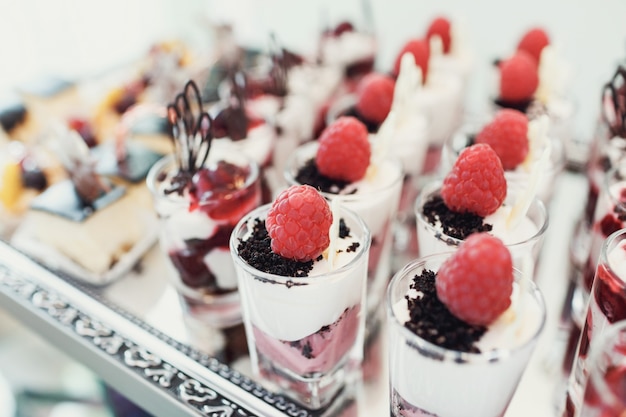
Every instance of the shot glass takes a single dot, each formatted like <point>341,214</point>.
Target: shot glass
<point>375,199</point>
<point>606,306</point>
<point>428,380</point>
<point>516,179</point>
<point>305,334</point>
<point>523,240</point>
<point>604,394</point>
<point>196,228</point>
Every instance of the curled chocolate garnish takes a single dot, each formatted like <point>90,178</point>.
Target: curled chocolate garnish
<point>614,103</point>
<point>192,132</point>
<point>232,120</point>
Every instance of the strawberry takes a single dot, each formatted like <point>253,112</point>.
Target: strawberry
<point>507,134</point>
<point>420,49</point>
<point>344,150</point>
<point>476,183</point>
<point>533,42</point>
<point>519,77</point>
<point>440,27</point>
<point>298,222</point>
<point>476,282</point>
<point>374,97</point>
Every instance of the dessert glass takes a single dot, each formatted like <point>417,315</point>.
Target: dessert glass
<point>604,394</point>
<point>375,199</point>
<point>516,179</point>
<point>426,379</point>
<point>195,236</point>
<point>305,334</point>
<point>524,240</point>
<point>606,306</point>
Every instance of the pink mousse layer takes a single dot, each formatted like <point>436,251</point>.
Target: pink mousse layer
<point>318,352</point>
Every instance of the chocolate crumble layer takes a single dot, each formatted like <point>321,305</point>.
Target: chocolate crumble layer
<point>257,252</point>
<point>431,320</point>
<point>310,175</point>
<point>455,224</point>
<point>372,127</point>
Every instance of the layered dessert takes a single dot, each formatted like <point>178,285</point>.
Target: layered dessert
<point>473,198</point>
<point>534,80</point>
<point>519,143</point>
<point>344,165</point>
<point>440,98</point>
<point>458,324</point>
<point>349,49</point>
<point>85,225</point>
<point>302,271</point>
<point>450,50</point>
<point>605,391</point>
<point>607,305</point>
<point>199,197</point>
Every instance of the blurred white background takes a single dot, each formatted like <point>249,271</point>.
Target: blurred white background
<point>73,38</point>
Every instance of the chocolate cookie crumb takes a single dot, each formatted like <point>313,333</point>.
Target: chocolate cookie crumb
<point>310,175</point>
<point>457,225</point>
<point>432,321</point>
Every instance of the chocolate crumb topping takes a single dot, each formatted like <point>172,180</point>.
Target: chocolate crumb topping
<point>257,252</point>
<point>455,224</point>
<point>372,127</point>
<point>310,175</point>
<point>431,320</point>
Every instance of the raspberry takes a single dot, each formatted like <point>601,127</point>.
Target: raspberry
<point>476,182</point>
<point>298,223</point>
<point>533,42</point>
<point>344,150</point>
<point>342,28</point>
<point>440,27</point>
<point>519,77</point>
<point>374,97</point>
<point>476,282</point>
<point>421,53</point>
<point>507,134</point>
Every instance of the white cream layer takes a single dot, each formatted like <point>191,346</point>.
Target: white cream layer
<point>348,48</point>
<point>427,383</point>
<point>298,311</point>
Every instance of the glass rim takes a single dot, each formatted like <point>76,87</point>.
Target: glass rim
<point>445,354</point>
<point>609,244</point>
<point>596,360</point>
<point>260,212</point>
<point>291,180</point>
<point>168,161</point>
<point>435,185</point>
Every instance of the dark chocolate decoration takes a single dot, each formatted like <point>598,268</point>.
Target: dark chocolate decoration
<point>310,175</point>
<point>231,120</point>
<point>139,160</point>
<point>455,224</point>
<point>192,133</point>
<point>46,86</point>
<point>431,320</point>
<point>12,112</point>
<point>614,103</point>
<point>62,199</point>
<point>257,252</point>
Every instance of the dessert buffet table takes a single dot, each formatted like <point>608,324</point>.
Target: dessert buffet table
<point>133,334</point>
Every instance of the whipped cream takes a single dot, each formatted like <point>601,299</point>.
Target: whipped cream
<point>292,312</point>
<point>459,60</point>
<point>257,146</point>
<point>511,339</point>
<point>441,101</point>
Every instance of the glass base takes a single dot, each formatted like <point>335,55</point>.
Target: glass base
<point>314,392</point>
<point>219,311</point>
<point>402,408</point>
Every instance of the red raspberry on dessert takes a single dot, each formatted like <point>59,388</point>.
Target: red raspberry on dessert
<point>298,223</point>
<point>440,27</point>
<point>519,77</point>
<point>420,49</point>
<point>533,42</point>
<point>476,182</point>
<point>476,282</point>
<point>507,134</point>
<point>374,97</point>
<point>344,150</point>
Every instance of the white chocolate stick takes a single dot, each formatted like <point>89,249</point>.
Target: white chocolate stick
<point>538,128</point>
<point>333,232</point>
<point>408,85</point>
<point>382,143</point>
